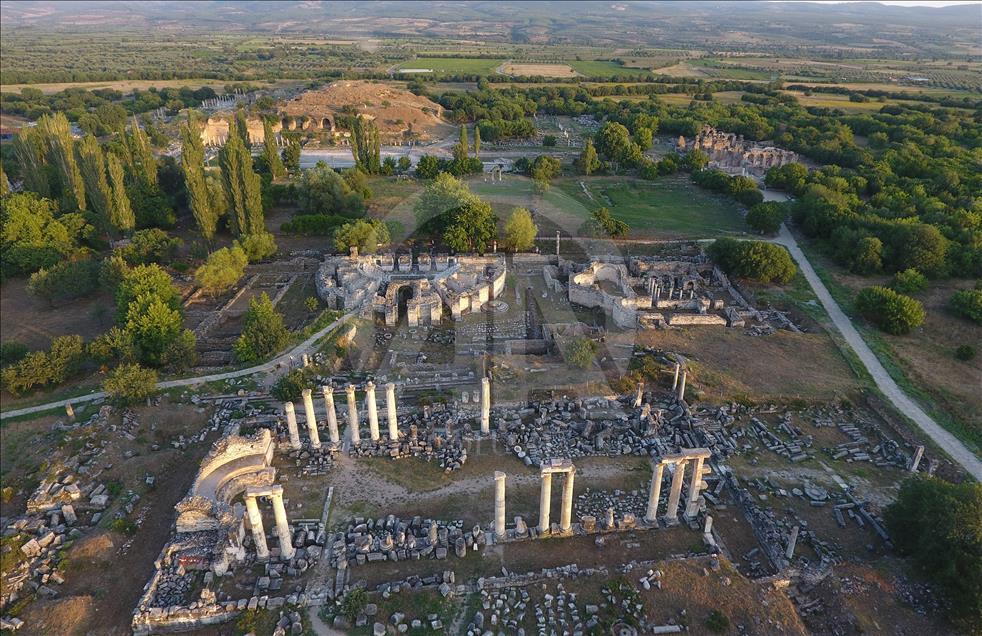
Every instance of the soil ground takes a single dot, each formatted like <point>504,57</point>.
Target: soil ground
<point>26,319</point>
<point>545,70</point>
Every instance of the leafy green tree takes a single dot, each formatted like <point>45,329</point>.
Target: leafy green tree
<point>364,234</point>
<point>789,177</point>
<point>139,154</point>
<point>45,368</point>
<point>270,153</point>
<point>202,205</point>
<point>755,260</point>
<point>139,285</point>
<point>30,235</point>
<point>154,327</point>
<point>695,160</point>
<point>892,312</point>
<point>968,303</point>
<point>603,223</point>
<point>937,525</point>
<point>258,246</point>
<point>263,333</point>
<point>520,230</point>
<point>181,353</point>
<point>428,167</point>
<point>121,214</point>
<point>443,194</point>
<point>470,227</point>
<point>92,165</point>
<point>614,143</point>
<point>405,163</point>
<point>242,186</point>
<point>461,150</point>
<point>30,149</point>
<point>150,246</point>
<point>4,183</point>
<point>130,384</point>
<point>766,218</point>
<point>223,269</point>
<point>868,256</point>
<point>477,142</point>
<point>545,168</point>
<point>365,145</point>
<point>909,281</point>
<point>323,191</point>
<point>65,280</point>
<point>587,162</point>
<point>579,352</point>
<point>291,156</point>
<point>61,155</point>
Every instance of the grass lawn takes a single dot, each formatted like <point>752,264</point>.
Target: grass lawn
<point>453,65</point>
<point>670,207</point>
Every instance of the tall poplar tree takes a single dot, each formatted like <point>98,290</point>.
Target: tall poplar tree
<point>270,152</point>
<point>365,144</point>
<point>92,163</point>
<point>142,162</point>
<point>193,166</point>
<point>61,155</point>
<point>121,212</point>
<point>477,141</point>
<point>242,186</point>
<point>30,148</point>
<point>242,125</point>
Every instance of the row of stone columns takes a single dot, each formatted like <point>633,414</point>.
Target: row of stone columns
<point>566,467</point>
<point>332,419</point>
<point>678,387</point>
<point>255,519</point>
<point>695,456</point>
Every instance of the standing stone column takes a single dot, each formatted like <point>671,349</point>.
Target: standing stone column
<point>672,513</point>
<point>372,411</point>
<point>308,407</point>
<point>639,395</point>
<point>256,523</point>
<point>695,487</point>
<point>282,525</point>
<point>545,501</point>
<point>499,505</point>
<point>485,406</point>
<point>675,381</point>
<point>792,541</point>
<point>353,415</point>
<point>916,459</point>
<point>291,425</point>
<point>332,416</point>
<point>682,386</point>
<point>654,493</point>
<point>390,404</point>
<point>566,512</point>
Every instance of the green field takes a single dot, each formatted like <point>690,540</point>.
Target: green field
<point>671,207</point>
<point>603,68</point>
<point>453,65</point>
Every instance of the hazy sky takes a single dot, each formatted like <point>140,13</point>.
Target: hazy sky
<point>896,3</point>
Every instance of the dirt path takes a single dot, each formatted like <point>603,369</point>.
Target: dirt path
<point>307,346</point>
<point>948,442</point>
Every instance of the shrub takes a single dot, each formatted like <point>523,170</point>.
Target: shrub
<point>311,303</point>
<point>756,260</point>
<point>892,312</point>
<point>150,246</point>
<point>717,622</point>
<point>968,303</point>
<point>313,224</point>
<point>520,230</point>
<point>579,352</point>
<point>130,384</point>
<point>258,245</point>
<point>908,281</point>
<point>936,524</point>
<point>11,352</point>
<point>965,352</point>
<point>223,269</point>
<point>45,368</point>
<point>766,218</point>
<point>365,234</point>
<point>65,280</point>
<point>290,386</point>
<point>264,332</point>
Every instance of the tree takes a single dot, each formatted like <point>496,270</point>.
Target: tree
<point>223,269</point>
<point>4,183</point>
<point>200,201</point>
<point>242,186</point>
<point>65,280</point>
<point>428,167</point>
<point>291,155</point>
<point>130,384</point>
<point>150,246</point>
<point>477,142</point>
<point>323,191</point>
<point>470,227</point>
<point>545,168</point>
<point>520,230</point>
<point>936,524</point>
<point>968,303</point>
<point>121,214</point>
<point>258,246</point>
<point>614,142</point>
<point>460,150</point>
<point>695,160</point>
<point>603,223</point>
<point>790,177</point>
<point>92,165</point>
<point>867,256</point>
<point>30,149</point>
<point>909,281</point>
<point>30,235</point>
<point>365,145</point>
<point>892,312</point>
<point>140,284</point>
<point>442,195</point>
<point>766,218</point>
<point>365,234</point>
<point>154,327</point>
<point>270,153</point>
<point>45,368</point>
<point>263,333</point>
<point>61,155</point>
<point>587,163</point>
<point>755,260</point>
<point>579,352</point>
<point>141,160</point>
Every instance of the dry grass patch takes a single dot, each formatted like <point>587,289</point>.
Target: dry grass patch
<point>544,70</point>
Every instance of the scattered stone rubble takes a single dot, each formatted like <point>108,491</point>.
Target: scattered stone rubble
<point>392,539</point>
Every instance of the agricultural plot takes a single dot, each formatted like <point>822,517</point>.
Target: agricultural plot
<point>450,65</point>
<point>533,70</point>
<point>604,68</point>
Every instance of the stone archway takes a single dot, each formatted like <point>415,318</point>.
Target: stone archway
<point>326,124</point>
<point>404,294</point>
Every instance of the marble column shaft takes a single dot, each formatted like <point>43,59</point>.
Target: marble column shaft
<point>675,381</point>
<point>282,525</point>
<point>654,493</point>
<point>372,411</point>
<point>390,404</point>
<point>499,505</point>
<point>256,523</point>
<point>332,416</point>
<point>291,425</point>
<point>485,406</point>
<point>695,487</point>
<point>566,512</point>
<point>353,415</point>
<point>308,407</point>
<point>672,513</point>
<point>545,502</point>
<point>682,386</point>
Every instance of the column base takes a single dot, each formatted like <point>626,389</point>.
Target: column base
<point>670,521</point>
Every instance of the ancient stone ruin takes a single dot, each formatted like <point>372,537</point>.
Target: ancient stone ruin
<point>732,154</point>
